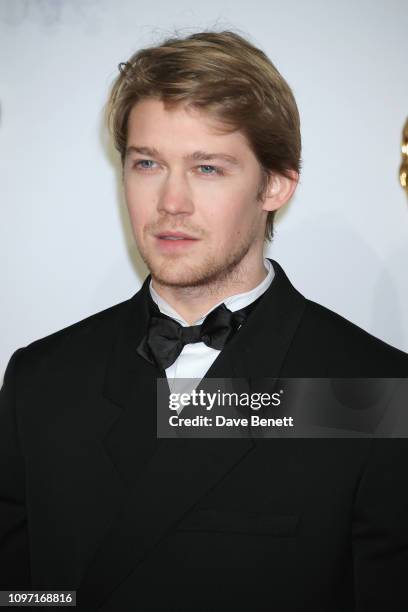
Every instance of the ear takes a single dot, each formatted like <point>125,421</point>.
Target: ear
<point>280,189</point>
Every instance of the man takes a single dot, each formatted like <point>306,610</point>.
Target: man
<point>91,498</point>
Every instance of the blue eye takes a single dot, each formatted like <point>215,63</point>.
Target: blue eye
<point>215,168</point>
<point>142,161</point>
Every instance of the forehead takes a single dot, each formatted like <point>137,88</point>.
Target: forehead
<point>157,124</point>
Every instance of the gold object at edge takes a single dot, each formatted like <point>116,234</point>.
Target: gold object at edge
<point>403,172</point>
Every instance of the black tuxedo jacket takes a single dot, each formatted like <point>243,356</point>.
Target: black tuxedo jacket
<point>91,500</point>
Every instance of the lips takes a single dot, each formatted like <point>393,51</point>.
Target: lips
<point>175,236</point>
<point>172,243</point>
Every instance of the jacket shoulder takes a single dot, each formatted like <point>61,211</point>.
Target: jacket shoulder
<point>90,333</point>
<point>347,347</point>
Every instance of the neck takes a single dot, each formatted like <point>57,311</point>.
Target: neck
<point>193,302</point>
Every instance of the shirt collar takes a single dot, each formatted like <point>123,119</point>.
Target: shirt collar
<point>233,303</point>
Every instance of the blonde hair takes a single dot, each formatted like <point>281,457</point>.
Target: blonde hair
<point>227,76</point>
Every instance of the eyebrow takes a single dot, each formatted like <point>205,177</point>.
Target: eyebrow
<point>196,155</point>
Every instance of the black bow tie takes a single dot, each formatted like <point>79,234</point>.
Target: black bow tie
<point>165,338</point>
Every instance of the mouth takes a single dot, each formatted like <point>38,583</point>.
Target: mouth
<point>175,236</point>
<point>174,241</point>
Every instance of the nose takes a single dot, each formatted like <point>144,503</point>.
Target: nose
<point>175,196</point>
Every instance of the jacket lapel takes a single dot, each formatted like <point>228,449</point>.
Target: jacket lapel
<point>259,348</point>
<point>164,478</point>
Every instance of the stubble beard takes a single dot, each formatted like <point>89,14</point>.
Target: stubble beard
<point>211,273</point>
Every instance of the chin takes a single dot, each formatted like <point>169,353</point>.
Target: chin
<point>173,270</point>
<point>178,274</point>
<point>183,271</point>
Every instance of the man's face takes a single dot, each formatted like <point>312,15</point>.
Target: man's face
<point>172,188</point>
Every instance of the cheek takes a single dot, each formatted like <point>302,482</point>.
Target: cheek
<point>138,207</point>
<point>230,215</point>
<point>224,229</point>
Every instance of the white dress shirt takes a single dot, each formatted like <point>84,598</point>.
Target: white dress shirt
<point>196,358</point>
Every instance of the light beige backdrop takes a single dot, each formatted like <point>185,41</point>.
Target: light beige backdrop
<point>66,245</point>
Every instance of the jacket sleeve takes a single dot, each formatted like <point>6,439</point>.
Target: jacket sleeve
<point>380,529</point>
<point>14,547</point>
